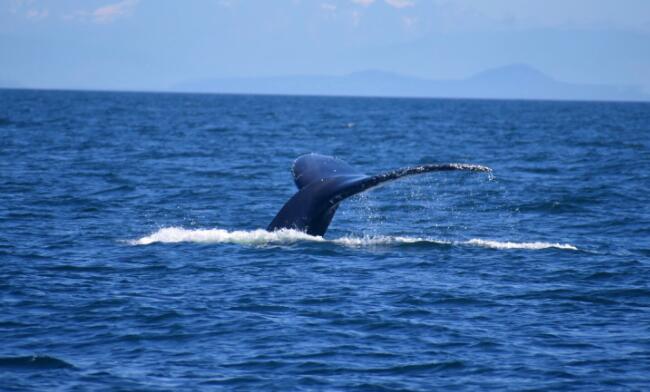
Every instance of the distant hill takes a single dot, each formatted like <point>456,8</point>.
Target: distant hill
<point>516,81</point>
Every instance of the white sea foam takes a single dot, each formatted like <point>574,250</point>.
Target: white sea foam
<point>385,240</point>
<point>519,245</point>
<point>261,237</point>
<point>253,237</point>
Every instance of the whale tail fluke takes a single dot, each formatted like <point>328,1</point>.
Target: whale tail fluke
<point>324,182</point>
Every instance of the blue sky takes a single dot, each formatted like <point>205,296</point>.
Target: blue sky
<point>154,44</point>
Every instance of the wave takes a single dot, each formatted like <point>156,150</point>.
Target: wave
<point>261,237</point>
<point>34,362</point>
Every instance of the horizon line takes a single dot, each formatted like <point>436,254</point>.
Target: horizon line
<point>359,96</point>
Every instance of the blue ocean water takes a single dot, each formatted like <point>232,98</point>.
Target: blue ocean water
<point>133,256</point>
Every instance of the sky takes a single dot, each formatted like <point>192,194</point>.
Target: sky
<point>155,44</point>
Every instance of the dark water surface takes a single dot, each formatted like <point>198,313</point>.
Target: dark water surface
<point>131,256</point>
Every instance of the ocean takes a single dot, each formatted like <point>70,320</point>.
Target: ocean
<point>133,255</point>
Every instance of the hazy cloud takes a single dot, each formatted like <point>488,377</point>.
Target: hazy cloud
<point>409,22</point>
<point>105,14</point>
<point>356,18</point>
<point>15,5</point>
<point>111,12</point>
<point>328,7</point>
<point>364,3</point>
<point>37,14</point>
<point>516,14</point>
<point>399,3</point>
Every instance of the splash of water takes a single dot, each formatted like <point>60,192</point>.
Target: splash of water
<point>262,237</point>
<point>244,237</point>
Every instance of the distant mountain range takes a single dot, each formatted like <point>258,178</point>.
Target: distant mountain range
<point>516,81</point>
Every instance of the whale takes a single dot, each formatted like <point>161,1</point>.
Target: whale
<point>324,182</point>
